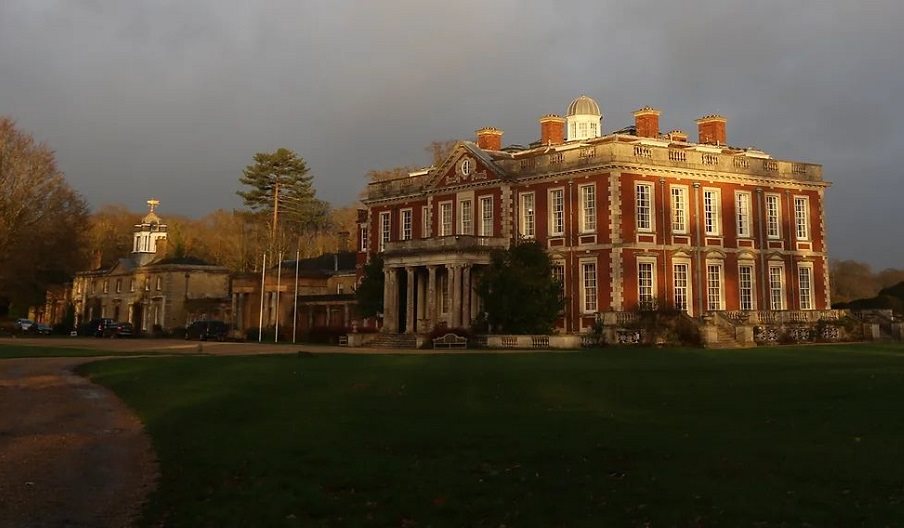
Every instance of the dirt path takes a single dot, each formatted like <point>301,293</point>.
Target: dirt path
<point>71,454</point>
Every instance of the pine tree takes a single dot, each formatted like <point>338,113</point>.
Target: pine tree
<point>281,193</point>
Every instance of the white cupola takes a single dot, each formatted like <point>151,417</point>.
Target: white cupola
<point>583,120</point>
<point>149,231</point>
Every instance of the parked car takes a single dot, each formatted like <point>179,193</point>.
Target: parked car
<point>120,329</point>
<point>95,327</point>
<point>40,329</point>
<point>24,324</point>
<point>205,330</point>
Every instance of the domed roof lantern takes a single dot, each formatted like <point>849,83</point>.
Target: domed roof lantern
<point>584,105</point>
<point>584,119</point>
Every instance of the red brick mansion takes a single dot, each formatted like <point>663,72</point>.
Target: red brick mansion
<point>636,218</point>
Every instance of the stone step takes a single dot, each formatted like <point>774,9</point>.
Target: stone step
<point>394,341</point>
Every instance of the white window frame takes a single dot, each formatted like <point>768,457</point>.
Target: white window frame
<point>644,217</point>
<point>406,219</point>
<point>466,217</point>
<point>589,286</point>
<point>385,229</point>
<point>588,208</point>
<point>362,236</point>
<point>805,294</point>
<point>719,299</point>
<point>750,287</point>
<point>776,287</point>
<point>425,221</point>
<point>446,222</point>
<point>712,211</point>
<point>802,217</point>
<point>773,212</point>
<point>646,263</point>
<point>743,199</point>
<point>686,288</point>
<point>528,208</point>
<point>558,272</point>
<point>486,215</point>
<point>556,211</point>
<point>678,194</point>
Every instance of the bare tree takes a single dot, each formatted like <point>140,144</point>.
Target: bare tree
<point>440,150</point>
<point>42,220</point>
<point>110,231</point>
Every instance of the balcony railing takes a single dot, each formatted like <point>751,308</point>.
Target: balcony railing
<point>621,152</point>
<point>782,317</point>
<point>688,158</point>
<point>447,243</point>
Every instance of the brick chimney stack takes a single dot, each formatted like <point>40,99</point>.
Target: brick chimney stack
<point>711,129</point>
<point>552,129</point>
<point>489,138</point>
<point>678,135</point>
<point>343,237</point>
<point>646,121</point>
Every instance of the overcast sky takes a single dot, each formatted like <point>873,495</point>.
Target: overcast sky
<point>170,99</point>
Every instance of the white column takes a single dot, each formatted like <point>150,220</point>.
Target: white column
<point>421,293</point>
<point>391,303</point>
<point>409,302</point>
<point>431,297</point>
<point>466,296</point>
<point>455,296</point>
<point>387,308</point>
<point>475,299</point>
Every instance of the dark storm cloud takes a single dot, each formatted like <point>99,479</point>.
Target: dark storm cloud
<point>172,98</point>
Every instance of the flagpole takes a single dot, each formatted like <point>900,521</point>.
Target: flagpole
<point>278,280</point>
<point>260,324</point>
<point>295,309</point>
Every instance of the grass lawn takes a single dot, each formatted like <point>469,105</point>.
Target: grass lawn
<point>805,436</point>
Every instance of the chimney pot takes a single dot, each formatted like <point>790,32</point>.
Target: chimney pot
<point>489,138</point>
<point>552,129</point>
<point>646,121</point>
<point>711,130</point>
<point>678,135</point>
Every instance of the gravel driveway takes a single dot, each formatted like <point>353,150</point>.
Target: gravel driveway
<point>71,454</point>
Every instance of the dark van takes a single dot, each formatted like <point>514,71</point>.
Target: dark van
<point>207,330</point>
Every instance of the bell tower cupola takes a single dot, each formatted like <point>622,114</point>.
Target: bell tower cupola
<point>149,233</point>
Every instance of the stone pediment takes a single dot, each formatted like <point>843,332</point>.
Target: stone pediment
<point>466,164</point>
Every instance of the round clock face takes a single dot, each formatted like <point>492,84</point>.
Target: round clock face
<point>465,167</point>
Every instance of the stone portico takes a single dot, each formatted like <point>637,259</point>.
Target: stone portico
<point>433,281</point>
